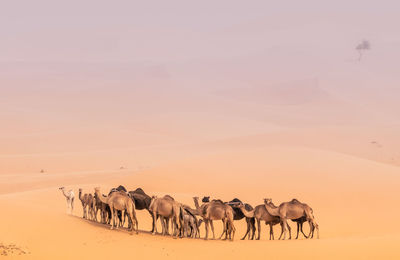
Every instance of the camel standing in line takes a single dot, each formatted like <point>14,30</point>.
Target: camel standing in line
<point>70,197</point>
<point>293,209</point>
<point>238,215</point>
<point>87,200</point>
<point>260,213</point>
<point>298,221</point>
<point>119,201</point>
<point>216,210</point>
<point>191,225</point>
<point>142,201</point>
<point>168,209</point>
<point>105,212</point>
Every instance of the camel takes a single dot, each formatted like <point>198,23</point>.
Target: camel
<point>238,215</point>
<point>70,197</point>
<point>91,206</point>
<point>121,222</point>
<point>216,210</point>
<point>142,201</point>
<point>86,200</point>
<point>299,223</point>
<point>260,213</point>
<point>168,209</point>
<point>293,209</point>
<point>119,201</point>
<point>191,225</point>
<point>105,212</point>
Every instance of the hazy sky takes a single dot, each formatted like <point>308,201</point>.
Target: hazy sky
<point>170,31</point>
<point>81,75</point>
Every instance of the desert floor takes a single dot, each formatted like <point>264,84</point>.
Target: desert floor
<point>354,201</point>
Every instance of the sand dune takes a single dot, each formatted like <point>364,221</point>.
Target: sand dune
<point>341,197</point>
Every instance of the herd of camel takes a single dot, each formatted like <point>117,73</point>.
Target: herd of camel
<point>121,204</point>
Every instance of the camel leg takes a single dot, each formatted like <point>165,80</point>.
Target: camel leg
<point>212,228</point>
<point>151,214</point>
<point>298,228</point>
<point>284,221</point>
<point>301,229</point>
<point>247,231</point>
<point>136,222</point>
<point>167,225</point>
<point>225,229</point>
<point>206,224</point>
<point>112,218</point>
<point>271,232</point>
<point>253,228</point>
<point>280,236</point>
<point>232,230</point>
<point>289,229</point>
<point>163,225</point>
<point>311,229</point>
<point>154,230</point>
<point>259,228</point>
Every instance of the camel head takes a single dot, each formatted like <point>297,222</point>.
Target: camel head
<point>206,199</point>
<point>62,188</point>
<point>268,201</point>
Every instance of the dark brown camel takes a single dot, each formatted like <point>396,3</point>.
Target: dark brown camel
<point>142,201</point>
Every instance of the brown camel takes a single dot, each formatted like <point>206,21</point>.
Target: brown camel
<point>86,200</point>
<point>238,215</point>
<point>142,201</point>
<point>216,210</point>
<point>299,223</point>
<point>168,209</point>
<point>260,213</point>
<point>104,209</point>
<point>293,209</point>
<point>191,225</point>
<point>119,201</point>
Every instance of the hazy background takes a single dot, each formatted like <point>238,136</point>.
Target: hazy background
<point>95,85</point>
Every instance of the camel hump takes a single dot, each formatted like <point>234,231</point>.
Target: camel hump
<point>294,201</point>
<point>169,197</point>
<point>121,188</point>
<point>140,191</point>
<point>218,201</point>
<point>236,200</point>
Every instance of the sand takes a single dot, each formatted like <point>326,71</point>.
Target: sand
<point>354,202</point>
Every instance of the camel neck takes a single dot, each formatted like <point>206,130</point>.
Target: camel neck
<point>66,195</point>
<point>272,211</point>
<point>101,197</point>
<point>247,214</point>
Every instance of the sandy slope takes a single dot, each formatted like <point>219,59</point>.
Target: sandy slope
<point>353,199</point>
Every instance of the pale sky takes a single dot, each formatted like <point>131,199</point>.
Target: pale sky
<point>200,70</point>
<point>177,31</point>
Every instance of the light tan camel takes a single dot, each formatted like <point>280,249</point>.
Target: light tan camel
<point>260,213</point>
<point>167,209</point>
<point>293,209</point>
<point>119,201</point>
<point>216,210</point>
<point>70,197</point>
<point>86,201</point>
